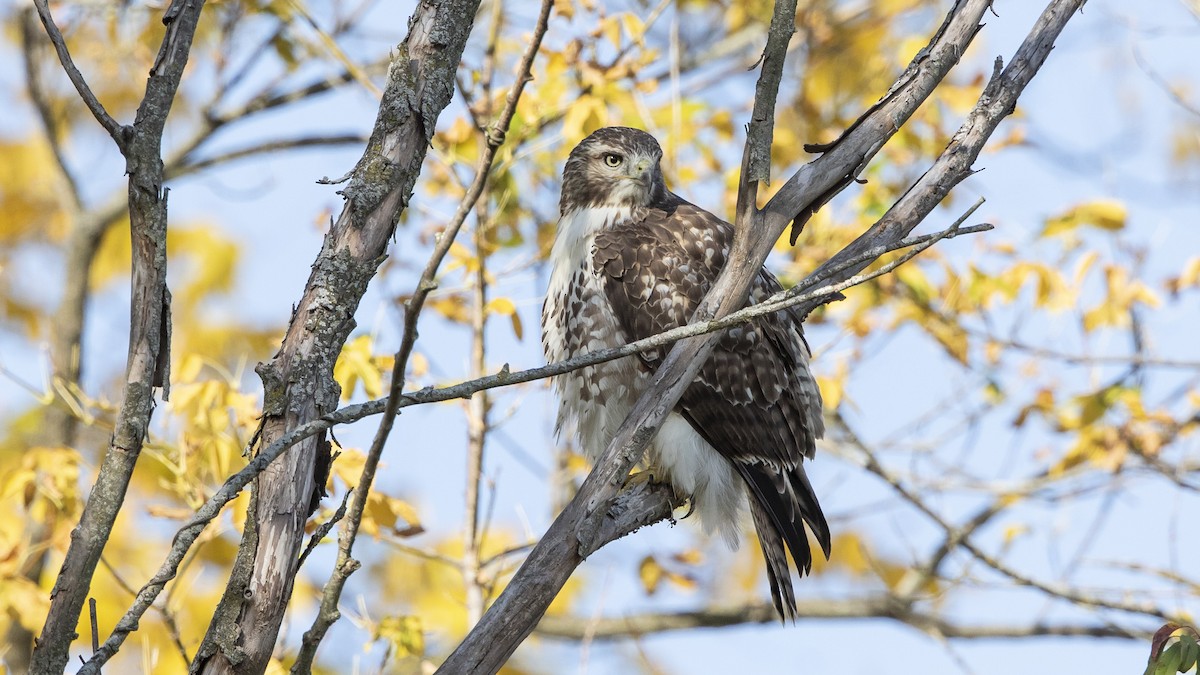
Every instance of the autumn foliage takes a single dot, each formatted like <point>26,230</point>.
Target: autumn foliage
<point>1028,394</point>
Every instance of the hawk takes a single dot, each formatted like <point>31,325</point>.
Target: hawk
<point>632,259</point>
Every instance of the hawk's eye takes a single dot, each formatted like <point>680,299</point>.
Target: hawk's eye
<point>613,160</point>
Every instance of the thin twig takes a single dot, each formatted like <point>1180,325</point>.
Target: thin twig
<point>325,528</point>
<point>871,463</point>
<point>478,406</point>
<point>185,168</point>
<point>95,625</point>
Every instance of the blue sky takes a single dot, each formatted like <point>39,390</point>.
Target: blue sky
<point>1098,127</point>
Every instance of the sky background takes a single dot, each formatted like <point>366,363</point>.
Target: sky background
<point>1098,126</point>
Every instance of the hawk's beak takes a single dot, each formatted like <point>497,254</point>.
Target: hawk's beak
<point>640,171</point>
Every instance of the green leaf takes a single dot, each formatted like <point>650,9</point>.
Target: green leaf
<point>1168,663</point>
<point>1190,652</point>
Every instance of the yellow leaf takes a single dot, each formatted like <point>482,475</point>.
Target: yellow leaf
<point>1012,532</point>
<point>684,581</point>
<point>611,29</point>
<point>404,633</point>
<point>418,365</point>
<point>188,370</point>
<point>583,117</point>
<point>506,307</point>
<point>1188,278</point>
<point>347,467</point>
<point>500,306</point>
<point>833,387</point>
<point>651,574</point>
<point>918,284</point>
<point>565,9</point>
<point>634,28</point>
<point>992,351</point>
<point>383,511</point>
<point>577,464</point>
<point>951,336</point>
<point>24,600</point>
<point>356,364</point>
<point>1106,214</point>
<point>453,307</point>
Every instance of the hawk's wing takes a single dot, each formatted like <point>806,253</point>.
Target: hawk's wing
<point>755,400</point>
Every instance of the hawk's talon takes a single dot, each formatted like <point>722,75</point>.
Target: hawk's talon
<point>641,478</point>
<point>691,504</point>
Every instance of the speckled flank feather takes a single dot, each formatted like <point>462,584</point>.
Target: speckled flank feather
<point>631,260</point>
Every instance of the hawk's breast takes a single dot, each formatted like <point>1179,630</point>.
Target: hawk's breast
<point>577,318</point>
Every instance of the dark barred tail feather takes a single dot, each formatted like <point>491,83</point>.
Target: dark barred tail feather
<point>780,504</point>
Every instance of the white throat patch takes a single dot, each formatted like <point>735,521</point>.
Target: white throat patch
<point>573,242</point>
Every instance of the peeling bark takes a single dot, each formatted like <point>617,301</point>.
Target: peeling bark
<point>298,381</point>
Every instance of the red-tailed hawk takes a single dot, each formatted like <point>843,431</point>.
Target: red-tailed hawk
<point>632,259</point>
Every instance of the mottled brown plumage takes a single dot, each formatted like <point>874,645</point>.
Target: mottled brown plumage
<point>631,259</point>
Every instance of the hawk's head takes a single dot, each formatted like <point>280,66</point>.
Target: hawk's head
<point>615,166</point>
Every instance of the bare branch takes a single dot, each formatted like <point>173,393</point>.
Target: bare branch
<point>629,516</point>
<point>185,169</point>
<point>298,382</point>
<point>325,528</point>
<point>349,532</point>
<point>879,607</point>
<point>575,532</point>
<point>960,539</point>
<point>37,94</point>
<point>148,359</point>
<point>756,156</point>
<point>85,92</point>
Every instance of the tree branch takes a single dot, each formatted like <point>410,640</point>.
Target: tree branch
<point>149,335</point>
<point>41,103</point>
<point>345,564</point>
<point>298,383</point>
<point>85,92</point>
<point>573,534</point>
<point>878,607</point>
<point>633,509</point>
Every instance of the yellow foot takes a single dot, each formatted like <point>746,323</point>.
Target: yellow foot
<point>691,503</point>
<point>645,476</point>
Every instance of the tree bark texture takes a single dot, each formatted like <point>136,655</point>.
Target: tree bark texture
<point>149,333</point>
<point>298,382</point>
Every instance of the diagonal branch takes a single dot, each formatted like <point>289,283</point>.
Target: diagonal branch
<point>149,336</point>
<point>634,508</point>
<point>298,381</point>
<point>85,92</point>
<point>573,535</point>
<point>345,565</point>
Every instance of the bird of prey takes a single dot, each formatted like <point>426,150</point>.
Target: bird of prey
<point>632,259</point>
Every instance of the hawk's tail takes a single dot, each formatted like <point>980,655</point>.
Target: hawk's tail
<point>780,505</point>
